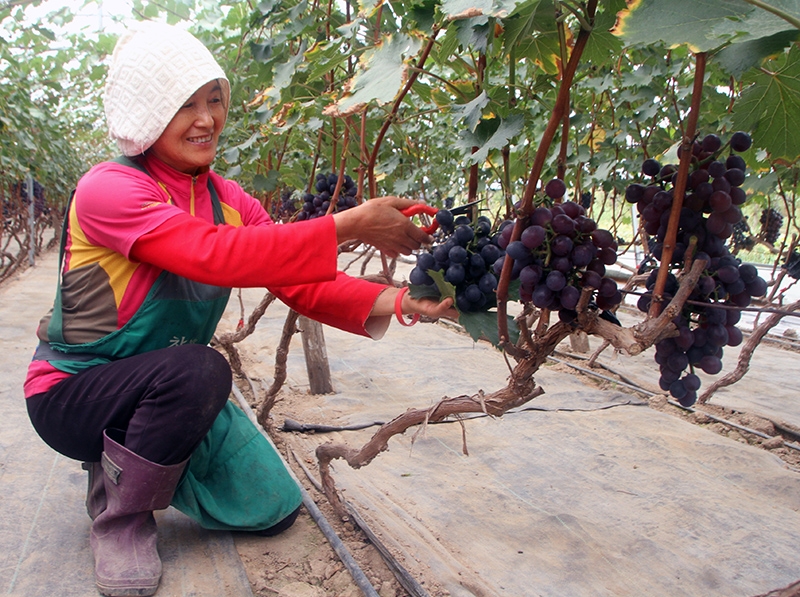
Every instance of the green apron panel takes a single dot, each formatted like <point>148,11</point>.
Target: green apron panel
<point>235,480</point>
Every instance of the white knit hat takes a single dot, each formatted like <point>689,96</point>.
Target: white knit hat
<point>154,69</point>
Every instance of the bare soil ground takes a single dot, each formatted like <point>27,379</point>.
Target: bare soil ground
<point>301,562</point>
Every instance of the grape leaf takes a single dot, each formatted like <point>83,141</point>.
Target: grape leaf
<point>532,32</point>
<point>480,325</point>
<point>382,73</point>
<point>738,58</point>
<point>770,108</point>
<point>445,288</point>
<point>472,111</point>
<point>483,325</point>
<point>508,128</point>
<point>459,9</point>
<point>701,24</point>
<point>464,9</point>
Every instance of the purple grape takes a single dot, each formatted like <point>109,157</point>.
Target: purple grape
<point>740,141</point>
<point>561,245</point>
<point>608,288</point>
<point>738,196</point>
<point>517,250</point>
<point>735,176</point>
<point>542,296</point>
<point>591,279</point>
<point>572,209</point>
<point>677,389</point>
<point>582,255</point>
<point>717,169</point>
<point>607,256</point>
<point>688,400</point>
<point>585,225</point>
<point>533,236</point>
<point>569,297</point>
<point>757,287</point>
<point>651,167</point>
<point>555,188</point>
<point>728,274</point>
<point>455,274</point>
<point>719,201</point>
<point>457,254</point>
<point>530,275</point>
<point>717,335</point>
<point>603,239</point>
<point>563,224</point>
<point>634,193</point>
<point>445,219</point>
<point>420,277</point>
<point>711,364</point>
<point>487,283</point>
<point>473,294</point>
<point>541,216</point>
<point>464,234</point>
<point>711,143</point>
<point>555,280</point>
<point>735,335</point>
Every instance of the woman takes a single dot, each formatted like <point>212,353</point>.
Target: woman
<point>123,378</point>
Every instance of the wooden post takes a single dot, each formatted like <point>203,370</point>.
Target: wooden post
<point>579,342</point>
<point>319,372</point>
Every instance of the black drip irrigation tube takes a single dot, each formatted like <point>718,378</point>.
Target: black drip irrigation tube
<point>330,534</point>
<point>585,371</point>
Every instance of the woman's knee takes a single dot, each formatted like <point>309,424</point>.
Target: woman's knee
<point>203,369</point>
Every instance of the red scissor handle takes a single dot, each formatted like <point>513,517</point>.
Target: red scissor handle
<point>421,208</point>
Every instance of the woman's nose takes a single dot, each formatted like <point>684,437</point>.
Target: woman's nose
<point>203,117</point>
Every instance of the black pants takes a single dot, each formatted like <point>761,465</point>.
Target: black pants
<point>165,401</point>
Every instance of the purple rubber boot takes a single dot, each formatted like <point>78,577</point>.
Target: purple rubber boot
<point>124,535</point>
<point>96,492</point>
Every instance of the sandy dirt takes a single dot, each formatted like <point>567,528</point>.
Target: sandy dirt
<point>301,562</point>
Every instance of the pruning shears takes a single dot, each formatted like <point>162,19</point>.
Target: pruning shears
<point>429,210</point>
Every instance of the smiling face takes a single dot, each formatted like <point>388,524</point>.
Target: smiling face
<point>190,140</point>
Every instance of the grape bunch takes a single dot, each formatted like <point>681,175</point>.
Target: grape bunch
<point>465,254</point>
<point>706,324</point>
<point>710,215</point>
<point>792,265</point>
<point>771,223</point>
<point>742,239</point>
<point>316,205</point>
<point>284,210</point>
<point>559,251</point>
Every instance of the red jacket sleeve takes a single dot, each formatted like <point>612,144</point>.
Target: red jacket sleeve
<point>280,257</point>
<point>243,256</point>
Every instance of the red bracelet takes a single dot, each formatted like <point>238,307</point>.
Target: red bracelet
<point>398,311</point>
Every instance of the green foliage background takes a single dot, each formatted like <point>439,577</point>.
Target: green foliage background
<point>314,83</point>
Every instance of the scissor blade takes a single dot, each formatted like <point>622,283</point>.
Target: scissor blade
<point>462,209</point>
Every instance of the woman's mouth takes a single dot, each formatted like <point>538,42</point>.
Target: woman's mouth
<point>200,140</point>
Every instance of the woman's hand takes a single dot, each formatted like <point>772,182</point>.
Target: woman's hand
<point>385,305</point>
<point>380,223</point>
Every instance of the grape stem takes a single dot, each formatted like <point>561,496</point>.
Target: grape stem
<point>560,108</point>
<point>680,186</point>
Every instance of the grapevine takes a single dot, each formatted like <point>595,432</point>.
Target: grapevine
<point>710,215</point>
